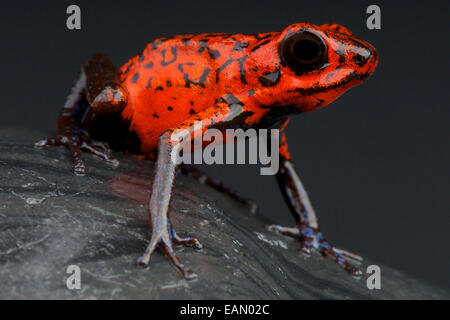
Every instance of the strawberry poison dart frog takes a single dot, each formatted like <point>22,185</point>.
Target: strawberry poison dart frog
<point>224,81</point>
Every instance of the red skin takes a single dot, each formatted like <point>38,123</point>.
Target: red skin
<point>246,81</point>
<point>144,103</point>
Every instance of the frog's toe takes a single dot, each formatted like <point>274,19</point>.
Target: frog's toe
<point>293,232</point>
<point>188,242</point>
<point>187,273</point>
<point>311,239</point>
<point>166,243</point>
<point>79,168</point>
<point>75,143</point>
<point>100,150</point>
<point>341,257</point>
<point>48,142</point>
<point>74,146</point>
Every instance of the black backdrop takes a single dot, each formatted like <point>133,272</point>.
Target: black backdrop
<point>375,162</point>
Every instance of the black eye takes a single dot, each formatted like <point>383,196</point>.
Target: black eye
<point>303,52</point>
<point>307,50</point>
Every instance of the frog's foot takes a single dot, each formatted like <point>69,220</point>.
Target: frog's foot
<point>313,239</point>
<point>77,142</point>
<point>166,240</point>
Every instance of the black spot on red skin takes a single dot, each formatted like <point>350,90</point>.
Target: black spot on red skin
<point>270,79</point>
<point>192,111</point>
<point>173,50</point>
<point>240,46</point>
<point>201,81</point>
<point>159,88</point>
<point>155,44</point>
<point>260,45</point>
<point>214,35</point>
<point>251,92</point>
<point>149,83</point>
<point>340,51</point>
<point>155,115</point>
<point>141,58</point>
<point>127,69</point>
<point>226,36</point>
<point>230,100</point>
<point>149,65</point>
<point>191,102</point>
<point>319,102</point>
<point>169,108</point>
<point>240,61</point>
<point>135,77</point>
<point>213,54</point>
<point>262,36</point>
<point>168,83</point>
<point>180,66</point>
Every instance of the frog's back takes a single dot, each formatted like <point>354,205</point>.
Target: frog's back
<point>175,78</point>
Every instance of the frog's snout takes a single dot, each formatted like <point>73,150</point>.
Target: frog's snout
<point>374,57</point>
<point>367,58</point>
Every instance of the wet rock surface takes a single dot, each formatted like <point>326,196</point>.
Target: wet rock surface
<point>50,219</point>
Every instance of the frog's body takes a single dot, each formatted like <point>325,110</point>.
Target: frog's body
<point>224,81</point>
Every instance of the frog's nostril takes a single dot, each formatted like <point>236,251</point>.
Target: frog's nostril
<point>361,60</point>
<point>362,56</point>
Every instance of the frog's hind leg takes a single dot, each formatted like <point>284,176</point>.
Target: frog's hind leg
<point>294,232</point>
<point>201,177</point>
<point>95,92</point>
<point>307,229</point>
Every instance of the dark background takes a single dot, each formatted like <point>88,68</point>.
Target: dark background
<point>375,162</point>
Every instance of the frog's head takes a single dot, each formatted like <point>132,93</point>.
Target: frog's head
<point>319,63</point>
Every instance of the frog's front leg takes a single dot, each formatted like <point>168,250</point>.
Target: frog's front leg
<point>307,230</point>
<point>169,144</point>
<point>163,232</point>
<point>94,93</point>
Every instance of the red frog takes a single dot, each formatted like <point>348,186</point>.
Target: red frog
<point>224,81</point>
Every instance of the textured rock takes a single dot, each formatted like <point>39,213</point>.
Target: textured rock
<point>50,219</point>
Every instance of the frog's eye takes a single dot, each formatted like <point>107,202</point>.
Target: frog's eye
<point>303,51</point>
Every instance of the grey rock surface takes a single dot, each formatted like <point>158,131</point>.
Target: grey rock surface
<point>50,219</point>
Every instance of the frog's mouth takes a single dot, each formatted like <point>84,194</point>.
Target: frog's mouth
<point>352,79</point>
